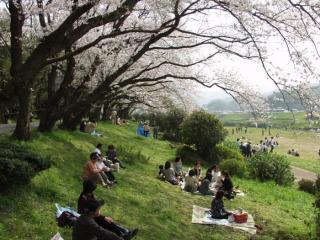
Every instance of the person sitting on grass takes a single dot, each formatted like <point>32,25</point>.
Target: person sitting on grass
<point>169,174</point>
<point>107,170</point>
<point>114,167</point>
<point>106,223</point>
<point>91,172</point>
<point>215,173</point>
<point>161,172</point>
<point>177,167</point>
<point>227,185</point>
<point>112,155</point>
<point>217,207</point>
<point>197,169</point>
<point>192,183</point>
<point>205,185</point>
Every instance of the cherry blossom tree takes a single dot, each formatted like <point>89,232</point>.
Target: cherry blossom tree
<point>151,42</point>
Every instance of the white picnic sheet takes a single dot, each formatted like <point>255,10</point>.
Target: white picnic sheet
<point>61,209</point>
<point>202,216</point>
<point>57,237</point>
<point>238,192</point>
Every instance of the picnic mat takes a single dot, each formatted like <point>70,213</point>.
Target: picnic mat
<point>57,237</point>
<point>201,216</point>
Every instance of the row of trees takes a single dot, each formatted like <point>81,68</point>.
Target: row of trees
<point>73,57</point>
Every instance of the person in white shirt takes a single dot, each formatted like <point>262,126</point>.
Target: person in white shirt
<point>108,163</point>
<point>215,173</point>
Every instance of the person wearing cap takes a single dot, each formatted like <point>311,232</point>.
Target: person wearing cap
<point>91,172</point>
<point>105,222</point>
<point>86,228</point>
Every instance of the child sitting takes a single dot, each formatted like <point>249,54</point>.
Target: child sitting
<point>112,155</point>
<point>161,172</point>
<point>205,185</point>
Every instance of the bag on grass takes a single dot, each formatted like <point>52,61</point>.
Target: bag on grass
<point>66,219</point>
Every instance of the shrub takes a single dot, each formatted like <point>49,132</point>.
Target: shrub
<point>307,186</point>
<point>225,151</point>
<point>188,154</point>
<point>18,165</point>
<point>14,171</point>
<point>204,131</point>
<point>234,167</point>
<point>130,156</point>
<point>270,166</point>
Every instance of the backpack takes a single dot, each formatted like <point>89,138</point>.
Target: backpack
<point>66,219</point>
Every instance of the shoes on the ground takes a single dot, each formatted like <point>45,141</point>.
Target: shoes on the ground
<point>129,235</point>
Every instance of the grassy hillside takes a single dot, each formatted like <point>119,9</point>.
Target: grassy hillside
<point>161,211</point>
<point>277,120</point>
<point>306,142</point>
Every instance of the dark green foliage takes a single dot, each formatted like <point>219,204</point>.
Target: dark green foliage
<point>307,186</point>
<point>234,167</point>
<point>131,156</point>
<point>204,131</point>
<point>188,154</point>
<point>18,165</point>
<point>226,151</point>
<point>270,166</point>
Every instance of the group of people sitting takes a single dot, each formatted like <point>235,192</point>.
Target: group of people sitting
<point>247,149</point>
<point>92,225</point>
<point>294,152</point>
<point>89,127</point>
<point>100,168</point>
<point>213,181</point>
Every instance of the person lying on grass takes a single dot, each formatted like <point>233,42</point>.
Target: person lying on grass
<point>192,182</point>
<point>205,185</point>
<point>106,223</point>
<point>91,172</point>
<point>227,185</point>
<point>217,207</point>
<point>169,174</point>
<point>112,155</point>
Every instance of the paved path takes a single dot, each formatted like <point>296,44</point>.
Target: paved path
<point>8,128</point>
<point>300,173</point>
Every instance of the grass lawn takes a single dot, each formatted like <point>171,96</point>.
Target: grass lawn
<point>306,142</point>
<point>161,211</point>
<point>276,119</point>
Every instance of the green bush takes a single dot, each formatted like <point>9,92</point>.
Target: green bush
<point>18,165</point>
<point>234,167</point>
<point>130,156</point>
<point>307,186</point>
<point>225,151</point>
<point>204,131</point>
<point>14,171</point>
<point>188,154</point>
<point>270,166</point>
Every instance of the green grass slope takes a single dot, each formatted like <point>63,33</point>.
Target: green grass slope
<point>160,210</point>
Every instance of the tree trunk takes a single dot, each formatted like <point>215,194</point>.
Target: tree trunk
<point>73,118</point>
<point>47,120</point>
<point>22,130</point>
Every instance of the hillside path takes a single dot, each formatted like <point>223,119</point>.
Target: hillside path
<point>300,173</point>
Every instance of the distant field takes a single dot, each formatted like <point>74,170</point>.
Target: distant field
<point>278,120</point>
<point>306,142</point>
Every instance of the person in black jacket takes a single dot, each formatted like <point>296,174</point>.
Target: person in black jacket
<point>105,222</point>
<point>217,207</point>
<point>86,228</point>
<point>227,185</point>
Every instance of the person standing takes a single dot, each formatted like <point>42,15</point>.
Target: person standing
<point>146,129</point>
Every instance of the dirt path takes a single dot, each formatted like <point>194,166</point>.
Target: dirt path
<point>300,173</point>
